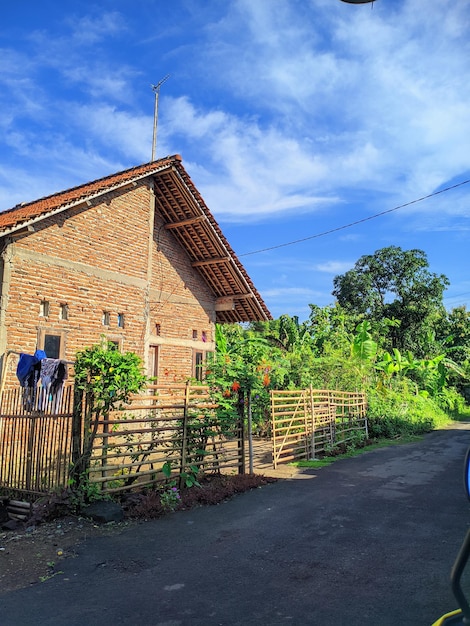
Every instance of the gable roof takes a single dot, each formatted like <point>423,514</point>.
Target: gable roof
<point>186,215</point>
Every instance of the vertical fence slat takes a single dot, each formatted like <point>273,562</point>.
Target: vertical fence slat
<point>184,435</point>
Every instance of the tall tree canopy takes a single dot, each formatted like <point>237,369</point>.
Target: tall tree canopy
<point>396,284</point>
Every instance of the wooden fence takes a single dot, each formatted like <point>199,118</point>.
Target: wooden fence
<point>44,443</point>
<point>166,428</point>
<point>175,427</point>
<point>308,422</point>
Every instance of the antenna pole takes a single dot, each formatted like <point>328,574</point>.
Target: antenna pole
<point>156,90</point>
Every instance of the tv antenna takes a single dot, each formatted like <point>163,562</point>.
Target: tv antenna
<point>156,91</point>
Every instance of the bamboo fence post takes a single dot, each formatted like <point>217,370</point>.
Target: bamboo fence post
<point>104,451</point>
<point>312,409</point>
<point>184,442</point>
<point>273,428</point>
<point>241,431</point>
<point>77,433</point>
<point>29,454</point>
<point>82,463</point>
<point>250,433</point>
<point>305,434</point>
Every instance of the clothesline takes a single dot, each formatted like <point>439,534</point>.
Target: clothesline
<point>20,353</point>
<point>4,367</point>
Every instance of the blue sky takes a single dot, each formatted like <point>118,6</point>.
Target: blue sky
<point>293,117</point>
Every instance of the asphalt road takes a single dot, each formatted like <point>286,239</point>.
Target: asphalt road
<point>369,540</point>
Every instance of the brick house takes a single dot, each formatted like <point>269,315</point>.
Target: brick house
<point>136,256</point>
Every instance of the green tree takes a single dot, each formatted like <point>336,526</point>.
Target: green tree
<point>454,333</point>
<point>331,328</point>
<point>107,377</point>
<point>395,284</point>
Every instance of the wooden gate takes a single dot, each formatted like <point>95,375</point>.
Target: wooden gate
<point>307,422</point>
<point>35,441</point>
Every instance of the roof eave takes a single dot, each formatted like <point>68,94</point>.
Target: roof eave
<point>196,216</point>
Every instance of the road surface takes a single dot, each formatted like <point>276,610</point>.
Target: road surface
<point>368,540</point>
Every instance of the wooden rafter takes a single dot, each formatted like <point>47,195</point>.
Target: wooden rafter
<point>188,222</point>
<point>213,261</point>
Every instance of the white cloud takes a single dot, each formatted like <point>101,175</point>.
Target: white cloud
<point>91,29</point>
<point>295,118</point>
<point>283,292</point>
<point>102,81</point>
<point>243,157</point>
<point>334,267</point>
<point>105,125</point>
<point>79,31</point>
<point>308,101</point>
<point>365,99</point>
<point>395,92</point>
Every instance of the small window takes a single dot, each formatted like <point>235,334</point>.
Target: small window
<point>204,336</point>
<point>153,362</point>
<point>44,308</point>
<point>198,365</point>
<point>106,318</point>
<point>53,341</point>
<point>52,346</point>
<point>64,312</point>
<point>158,329</point>
<point>120,320</point>
<point>194,334</point>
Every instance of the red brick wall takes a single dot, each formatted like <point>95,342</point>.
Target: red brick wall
<point>95,259</point>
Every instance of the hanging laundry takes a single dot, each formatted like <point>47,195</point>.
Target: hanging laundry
<point>53,374</point>
<point>26,365</point>
<point>28,373</point>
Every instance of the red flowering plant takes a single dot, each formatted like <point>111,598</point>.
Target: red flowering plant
<point>241,369</point>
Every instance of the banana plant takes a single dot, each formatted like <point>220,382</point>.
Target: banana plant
<point>363,346</point>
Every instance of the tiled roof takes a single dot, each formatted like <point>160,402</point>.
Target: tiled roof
<point>185,213</point>
<point>24,213</point>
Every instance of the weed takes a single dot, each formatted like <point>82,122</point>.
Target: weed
<point>170,499</point>
<point>83,491</point>
<point>51,573</point>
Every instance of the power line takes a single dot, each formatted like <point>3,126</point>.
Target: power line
<point>459,295</point>
<point>365,219</point>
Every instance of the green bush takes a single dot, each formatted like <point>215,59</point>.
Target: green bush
<point>450,400</point>
<point>108,377</point>
<point>108,374</point>
<point>335,373</point>
<point>393,413</point>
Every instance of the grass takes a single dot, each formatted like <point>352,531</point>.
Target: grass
<point>462,416</point>
<point>378,443</point>
<point>51,572</point>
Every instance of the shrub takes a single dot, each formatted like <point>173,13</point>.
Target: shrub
<point>450,400</point>
<point>392,413</point>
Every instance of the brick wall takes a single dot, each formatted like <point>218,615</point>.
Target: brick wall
<point>96,259</point>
